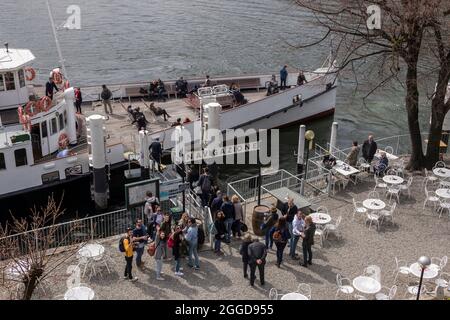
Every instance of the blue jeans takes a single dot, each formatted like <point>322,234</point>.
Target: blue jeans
<point>159,264</point>
<point>269,242</point>
<point>293,246</point>
<point>228,224</point>
<point>177,265</point>
<point>193,252</point>
<point>217,245</point>
<point>291,240</point>
<point>139,253</point>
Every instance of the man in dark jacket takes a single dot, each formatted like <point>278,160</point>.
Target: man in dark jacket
<point>283,77</point>
<point>308,240</point>
<point>369,149</point>
<point>216,203</point>
<point>301,79</point>
<point>181,87</point>
<point>156,152</point>
<point>205,183</point>
<point>49,86</point>
<point>106,96</point>
<point>228,210</point>
<point>290,210</point>
<point>141,121</point>
<point>243,250</point>
<point>257,253</point>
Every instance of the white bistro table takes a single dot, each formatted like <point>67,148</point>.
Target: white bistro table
<point>443,193</point>
<point>366,285</point>
<point>294,296</point>
<point>342,168</point>
<point>374,204</point>
<point>441,172</point>
<point>393,180</point>
<point>320,218</point>
<point>91,250</point>
<point>79,293</point>
<point>429,273</point>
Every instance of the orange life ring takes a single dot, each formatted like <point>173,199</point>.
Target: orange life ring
<point>30,73</point>
<point>44,104</point>
<point>63,140</point>
<point>32,108</point>
<point>57,76</point>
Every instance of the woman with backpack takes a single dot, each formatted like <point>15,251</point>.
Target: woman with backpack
<point>175,242</point>
<point>280,235</point>
<point>221,230</point>
<point>160,252</point>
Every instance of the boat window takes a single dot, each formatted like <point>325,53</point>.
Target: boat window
<point>2,161</point>
<point>9,81</point>
<point>54,127</point>
<point>21,157</point>
<point>50,177</point>
<point>65,117</point>
<point>21,78</point>
<point>61,121</point>
<point>2,85</point>
<point>44,129</point>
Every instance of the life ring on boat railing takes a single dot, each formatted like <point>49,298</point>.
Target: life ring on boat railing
<point>57,76</point>
<point>63,141</point>
<point>24,119</point>
<point>31,108</point>
<point>30,73</point>
<point>44,104</point>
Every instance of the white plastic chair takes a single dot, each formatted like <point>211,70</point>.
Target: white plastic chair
<point>393,191</point>
<point>401,269</point>
<point>273,294</point>
<point>333,228</point>
<point>443,280</point>
<point>439,262</point>
<point>407,187</point>
<point>373,195</point>
<point>304,289</point>
<point>373,218</point>
<point>392,172</point>
<point>322,209</point>
<point>444,183</point>
<point>430,197</point>
<point>388,214</point>
<point>412,290</point>
<point>439,164</point>
<point>443,205</point>
<point>379,184</point>
<point>399,166</point>
<point>358,208</point>
<point>388,294</point>
<point>319,233</point>
<point>374,272</point>
<point>344,286</point>
<point>429,177</point>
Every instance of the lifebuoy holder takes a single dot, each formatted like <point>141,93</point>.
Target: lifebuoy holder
<point>63,141</point>
<point>30,73</point>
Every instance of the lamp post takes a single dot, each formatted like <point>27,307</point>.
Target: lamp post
<point>309,135</point>
<point>423,262</point>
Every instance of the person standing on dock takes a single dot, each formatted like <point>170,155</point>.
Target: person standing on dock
<point>243,250</point>
<point>192,240</point>
<point>228,210</point>
<point>78,99</point>
<point>352,157</point>
<point>128,247</point>
<point>221,231</point>
<point>297,228</point>
<point>205,184</point>
<point>369,149</point>
<point>49,86</point>
<point>289,211</point>
<point>257,254</point>
<point>177,237</point>
<point>140,236</point>
<point>106,96</point>
<point>308,241</point>
<point>283,77</point>
<point>156,153</point>
<point>301,79</point>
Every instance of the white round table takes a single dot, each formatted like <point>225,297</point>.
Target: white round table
<point>294,296</point>
<point>429,272</point>
<point>366,285</point>
<point>374,204</point>
<point>320,218</point>
<point>79,293</point>
<point>443,193</point>
<point>394,180</point>
<point>91,250</point>
<point>441,172</point>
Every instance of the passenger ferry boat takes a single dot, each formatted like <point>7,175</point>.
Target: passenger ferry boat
<point>44,142</point>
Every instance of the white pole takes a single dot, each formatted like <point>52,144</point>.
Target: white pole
<point>71,130</point>
<point>334,128</point>
<point>301,148</point>
<point>58,48</point>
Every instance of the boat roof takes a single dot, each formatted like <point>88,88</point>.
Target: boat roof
<point>5,138</point>
<point>14,58</point>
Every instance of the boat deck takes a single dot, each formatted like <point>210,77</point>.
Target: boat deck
<point>120,129</point>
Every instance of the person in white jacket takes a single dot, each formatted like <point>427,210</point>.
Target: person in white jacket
<point>298,225</point>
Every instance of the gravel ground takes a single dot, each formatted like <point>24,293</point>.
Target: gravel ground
<point>415,232</point>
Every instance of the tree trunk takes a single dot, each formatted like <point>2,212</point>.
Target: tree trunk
<point>412,108</point>
<point>30,285</point>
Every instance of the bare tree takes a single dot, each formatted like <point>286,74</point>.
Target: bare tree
<point>31,249</point>
<point>397,41</point>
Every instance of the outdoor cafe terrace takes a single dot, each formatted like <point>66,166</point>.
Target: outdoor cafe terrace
<point>412,229</point>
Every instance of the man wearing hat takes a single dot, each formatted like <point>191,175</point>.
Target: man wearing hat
<point>156,152</point>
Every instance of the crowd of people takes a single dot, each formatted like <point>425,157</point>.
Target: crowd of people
<point>273,87</point>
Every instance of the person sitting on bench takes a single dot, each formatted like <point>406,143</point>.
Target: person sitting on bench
<point>161,90</point>
<point>158,111</point>
<point>152,89</point>
<point>238,96</point>
<point>272,86</point>
<point>181,86</point>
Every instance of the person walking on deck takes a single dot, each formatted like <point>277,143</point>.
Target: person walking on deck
<point>283,77</point>
<point>106,96</point>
